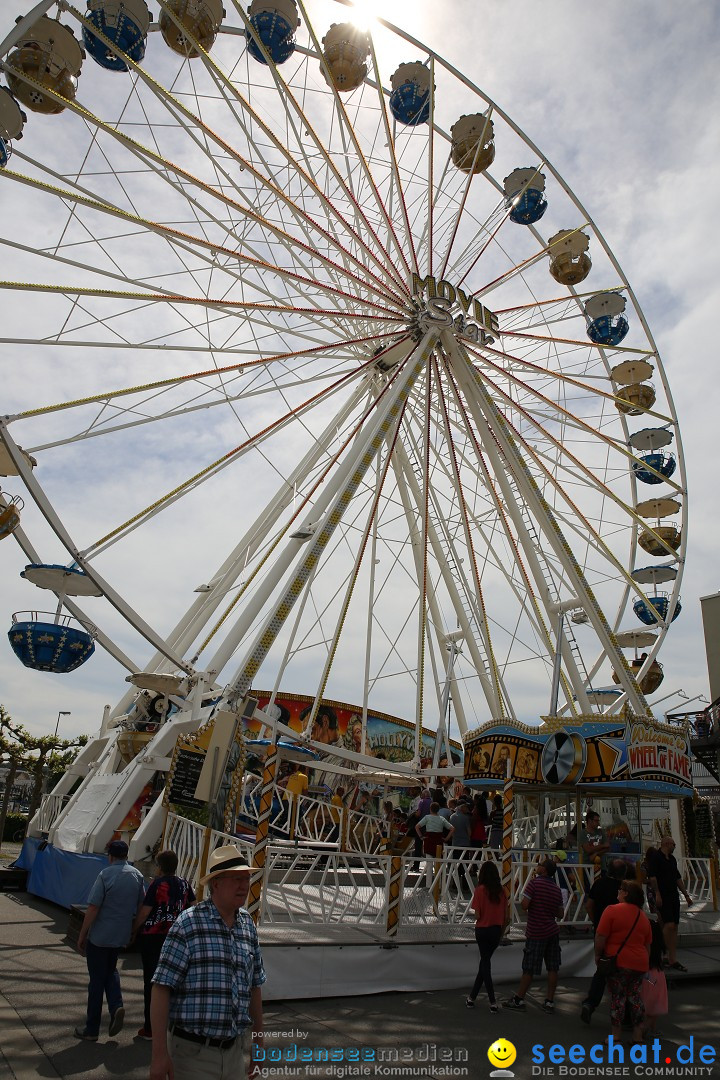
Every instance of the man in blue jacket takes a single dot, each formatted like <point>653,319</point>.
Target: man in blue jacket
<point>112,905</point>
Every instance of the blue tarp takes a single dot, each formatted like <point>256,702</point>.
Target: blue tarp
<point>65,877</point>
<point>27,856</point>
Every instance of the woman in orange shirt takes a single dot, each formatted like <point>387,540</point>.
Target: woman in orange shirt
<point>490,906</point>
<point>624,932</point>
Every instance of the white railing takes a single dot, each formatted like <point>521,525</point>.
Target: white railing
<point>186,838</point>
<point>363,833</point>
<point>324,889</point>
<point>249,807</point>
<point>314,888</point>
<point>698,877</point>
<point>318,821</point>
<point>50,810</point>
<point>302,818</point>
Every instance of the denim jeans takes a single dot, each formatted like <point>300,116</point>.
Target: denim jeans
<point>104,980</point>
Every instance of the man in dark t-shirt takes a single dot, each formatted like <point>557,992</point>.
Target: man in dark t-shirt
<point>664,876</point>
<point>167,896</point>
<point>603,893</point>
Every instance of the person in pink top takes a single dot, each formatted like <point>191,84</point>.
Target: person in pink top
<point>490,906</point>
<point>624,932</point>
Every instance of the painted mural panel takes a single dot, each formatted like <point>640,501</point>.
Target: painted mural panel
<point>625,752</point>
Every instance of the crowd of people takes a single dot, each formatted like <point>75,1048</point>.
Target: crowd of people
<point>202,967</point>
<point>633,947</point>
<point>203,971</point>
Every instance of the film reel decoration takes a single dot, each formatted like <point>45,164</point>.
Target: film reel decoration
<point>563,758</point>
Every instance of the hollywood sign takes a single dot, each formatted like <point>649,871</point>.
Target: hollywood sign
<point>441,301</point>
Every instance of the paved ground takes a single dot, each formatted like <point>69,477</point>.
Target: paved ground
<point>42,994</point>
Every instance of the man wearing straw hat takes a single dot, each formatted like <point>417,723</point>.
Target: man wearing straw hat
<point>206,987</point>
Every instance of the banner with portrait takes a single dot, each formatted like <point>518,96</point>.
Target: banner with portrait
<point>628,752</point>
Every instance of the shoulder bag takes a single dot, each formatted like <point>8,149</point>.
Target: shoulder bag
<point>608,965</point>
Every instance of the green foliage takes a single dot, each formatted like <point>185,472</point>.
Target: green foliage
<point>36,753</point>
<point>14,823</point>
<point>198,814</point>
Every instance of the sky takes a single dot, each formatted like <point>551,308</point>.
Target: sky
<point>622,98</point>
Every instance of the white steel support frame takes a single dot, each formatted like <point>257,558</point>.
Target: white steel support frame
<point>511,508</point>
<point>411,495</point>
<point>226,576</point>
<point>487,416</point>
<point>407,479</point>
<point>527,602</point>
<point>328,512</point>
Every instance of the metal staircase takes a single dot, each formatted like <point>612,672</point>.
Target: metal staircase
<point>704,735</point>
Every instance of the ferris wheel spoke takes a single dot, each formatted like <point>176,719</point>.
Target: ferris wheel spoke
<point>293,415</point>
<point>312,504</point>
<point>509,360</point>
<point>518,269</point>
<point>311,314</point>
<point>186,116</point>
<point>175,236</point>
<point>161,165</point>
<point>513,504</point>
<point>242,559</point>
<point>476,591</point>
<point>349,130</point>
<point>524,591</point>
<point>106,396</point>
<point>289,101</point>
<point>328,509</point>
<point>448,561</point>
<point>358,550</point>
<point>486,412</point>
<point>395,181</point>
<point>576,520</point>
<point>454,225</point>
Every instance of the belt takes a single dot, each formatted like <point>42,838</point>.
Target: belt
<point>192,1036</point>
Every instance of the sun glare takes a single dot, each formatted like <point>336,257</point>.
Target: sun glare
<point>364,12</point>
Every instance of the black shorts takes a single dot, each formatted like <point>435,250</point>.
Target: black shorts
<point>670,910</point>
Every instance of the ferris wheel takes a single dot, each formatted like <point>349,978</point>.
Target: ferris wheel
<point>325,380</point>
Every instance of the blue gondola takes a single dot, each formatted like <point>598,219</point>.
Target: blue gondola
<point>274,22</point>
<point>125,23</point>
<point>608,330</point>
<point>662,463</point>
<point>606,323</point>
<point>661,604</point>
<point>410,97</point>
<point>57,646</point>
<point>525,195</point>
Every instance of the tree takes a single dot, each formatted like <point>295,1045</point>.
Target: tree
<point>35,753</point>
<point>14,757</point>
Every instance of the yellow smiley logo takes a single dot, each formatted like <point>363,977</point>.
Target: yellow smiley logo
<point>502,1053</point>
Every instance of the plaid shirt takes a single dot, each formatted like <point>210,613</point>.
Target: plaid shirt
<point>210,969</point>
